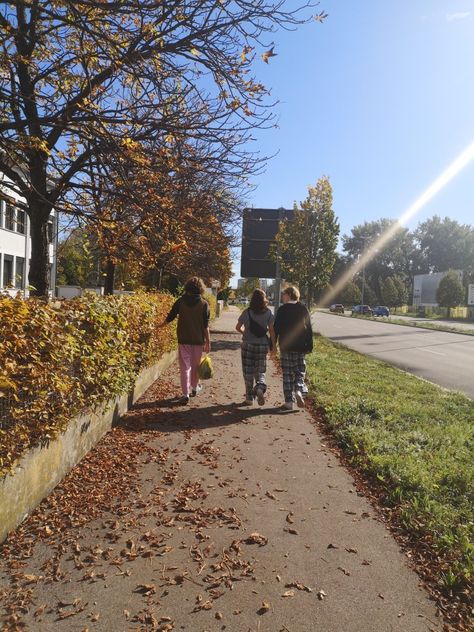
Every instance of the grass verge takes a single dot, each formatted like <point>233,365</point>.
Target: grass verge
<point>416,441</point>
<point>420,325</point>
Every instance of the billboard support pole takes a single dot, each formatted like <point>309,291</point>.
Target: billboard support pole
<point>281,216</point>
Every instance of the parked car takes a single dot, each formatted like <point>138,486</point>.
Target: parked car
<point>362,309</point>
<point>337,308</point>
<point>381,310</point>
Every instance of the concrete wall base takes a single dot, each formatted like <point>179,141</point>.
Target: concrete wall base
<point>42,468</point>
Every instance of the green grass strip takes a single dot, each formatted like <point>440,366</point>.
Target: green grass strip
<point>414,437</point>
<point>421,325</point>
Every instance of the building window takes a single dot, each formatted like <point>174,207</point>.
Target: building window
<point>19,272</point>
<point>7,271</point>
<point>9,216</point>
<point>20,221</point>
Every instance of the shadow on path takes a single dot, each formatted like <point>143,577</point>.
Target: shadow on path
<point>157,416</point>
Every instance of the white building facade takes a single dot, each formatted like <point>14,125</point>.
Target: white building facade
<point>15,245</point>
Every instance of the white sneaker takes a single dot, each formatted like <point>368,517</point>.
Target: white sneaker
<point>196,390</point>
<point>260,397</point>
<point>289,405</point>
<point>299,399</point>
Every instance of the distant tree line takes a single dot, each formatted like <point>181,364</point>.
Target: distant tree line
<point>436,245</point>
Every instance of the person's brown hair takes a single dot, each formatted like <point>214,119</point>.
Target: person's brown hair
<point>258,302</point>
<point>292,292</point>
<point>194,285</point>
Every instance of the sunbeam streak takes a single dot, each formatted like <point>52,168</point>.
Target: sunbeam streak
<point>435,187</point>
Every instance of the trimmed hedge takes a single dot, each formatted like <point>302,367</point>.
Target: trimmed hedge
<point>60,358</point>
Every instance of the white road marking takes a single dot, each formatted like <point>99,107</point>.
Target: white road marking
<point>430,351</point>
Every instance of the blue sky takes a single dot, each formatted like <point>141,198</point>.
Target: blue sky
<point>381,99</point>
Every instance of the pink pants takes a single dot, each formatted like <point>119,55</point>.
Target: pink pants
<point>189,359</point>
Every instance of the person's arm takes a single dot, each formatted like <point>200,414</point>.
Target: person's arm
<point>277,324</point>
<point>207,340</point>
<point>271,329</point>
<point>174,311</point>
<point>308,330</point>
<point>240,323</point>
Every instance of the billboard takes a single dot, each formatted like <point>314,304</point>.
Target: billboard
<point>259,228</point>
<point>470,294</point>
<point>425,287</point>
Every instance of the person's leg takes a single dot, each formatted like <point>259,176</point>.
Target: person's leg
<point>196,354</point>
<point>260,367</point>
<point>247,370</point>
<point>299,373</point>
<point>184,354</point>
<point>286,368</point>
<point>260,371</point>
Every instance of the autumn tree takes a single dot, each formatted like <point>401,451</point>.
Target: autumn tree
<point>306,246</point>
<point>450,292</point>
<point>388,292</point>
<point>78,262</point>
<point>76,72</point>
<point>351,294</point>
<point>393,258</point>
<point>443,244</point>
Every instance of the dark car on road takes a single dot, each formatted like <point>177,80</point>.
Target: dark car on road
<point>337,308</point>
<point>381,310</point>
<point>362,309</point>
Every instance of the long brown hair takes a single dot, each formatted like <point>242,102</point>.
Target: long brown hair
<point>258,302</point>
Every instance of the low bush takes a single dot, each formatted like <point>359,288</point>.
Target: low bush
<point>58,359</point>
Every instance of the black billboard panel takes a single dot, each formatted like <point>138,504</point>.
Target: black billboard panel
<point>259,229</point>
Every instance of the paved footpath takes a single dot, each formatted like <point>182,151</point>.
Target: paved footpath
<point>206,518</point>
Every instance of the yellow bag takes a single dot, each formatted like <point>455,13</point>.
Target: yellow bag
<point>205,368</point>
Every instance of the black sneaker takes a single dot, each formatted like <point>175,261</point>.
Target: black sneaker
<point>184,400</point>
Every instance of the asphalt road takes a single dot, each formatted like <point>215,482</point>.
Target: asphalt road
<point>444,358</point>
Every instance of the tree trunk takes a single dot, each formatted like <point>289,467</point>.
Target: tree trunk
<point>309,297</point>
<point>109,277</point>
<point>38,277</point>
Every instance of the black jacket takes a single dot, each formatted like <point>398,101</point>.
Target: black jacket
<point>293,328</point>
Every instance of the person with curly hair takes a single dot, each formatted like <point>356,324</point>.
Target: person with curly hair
<point>193,315</point>
<point>253,324</point>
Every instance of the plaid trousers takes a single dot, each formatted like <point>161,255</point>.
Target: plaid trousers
<point>293,366</point>
<point>254,366</point>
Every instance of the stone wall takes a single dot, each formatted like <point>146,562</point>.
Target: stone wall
<point>42,468</point>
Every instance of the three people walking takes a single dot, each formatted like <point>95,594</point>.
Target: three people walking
<point>260,329</point>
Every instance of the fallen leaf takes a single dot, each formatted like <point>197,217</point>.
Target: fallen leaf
<point>146,589</point>
<point>289,517</point>
<point>321,594</point>
<point>351,550</point>
<point>256,538</point>
<point>292,531</point>
<point>332,546</point>
<point>289,593</point>
<point>299,586</point>
<point>265,607</point>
